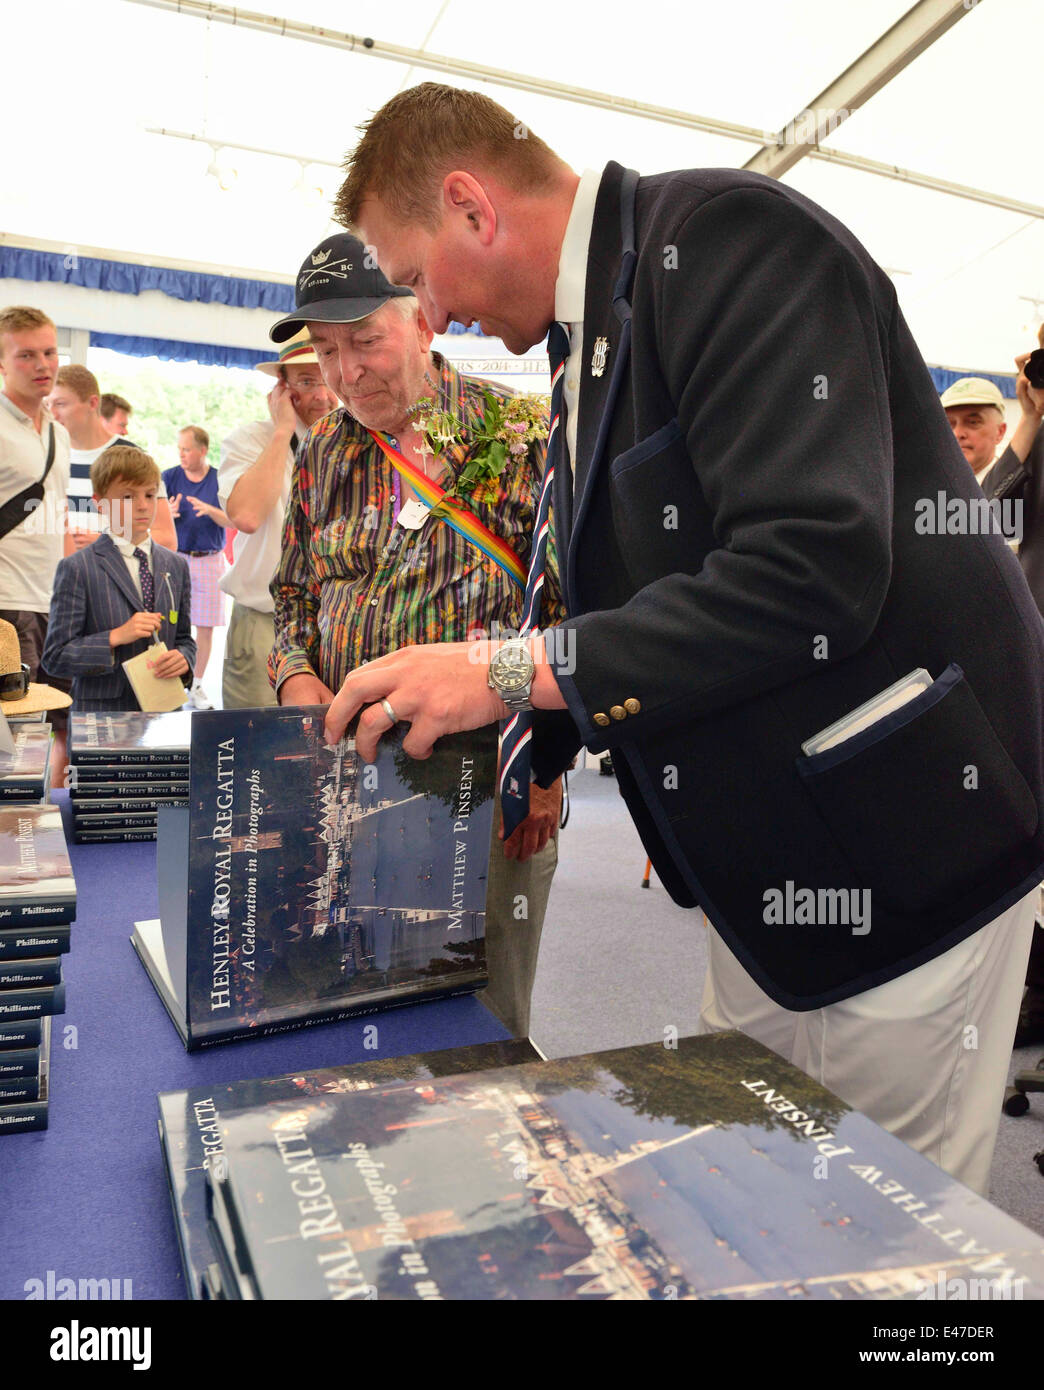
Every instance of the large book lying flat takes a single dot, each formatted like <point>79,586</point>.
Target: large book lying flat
<point>135,739</point>
<point>36,879</point>
<point>302,885</point>
<point>712,1169</point>
<point>24,773</point>
<point>190,1124</point>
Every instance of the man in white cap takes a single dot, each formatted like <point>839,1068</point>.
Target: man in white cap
<point>257,462</point>
<point>975,410</point>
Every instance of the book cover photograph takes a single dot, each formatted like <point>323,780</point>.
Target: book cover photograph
<point>36,878</point>
<point>190,1123</point>
<point>129,737</point>
<point>23,773</point>
<point>647,1172</point>
<point>302,884</point>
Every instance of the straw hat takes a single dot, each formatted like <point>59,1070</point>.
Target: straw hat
<point>38,696</point>
<point>296,352</point>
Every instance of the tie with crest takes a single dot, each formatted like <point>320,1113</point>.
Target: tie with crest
<point>517,734</point>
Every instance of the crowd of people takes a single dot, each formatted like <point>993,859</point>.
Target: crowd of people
<point>346,592</point>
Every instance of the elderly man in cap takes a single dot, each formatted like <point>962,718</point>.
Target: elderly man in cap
<point>366,569</point>
<point>257,463</point>
<point>975,410</point>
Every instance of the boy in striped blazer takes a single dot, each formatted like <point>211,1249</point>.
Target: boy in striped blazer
<point>103,609</point>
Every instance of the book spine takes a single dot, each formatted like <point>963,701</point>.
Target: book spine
<point>23,943</point>
<point>22,789</point>
<point>30,972</point>
<point>111,837</point>
<point>24,1088</point>
<point>17,1004</point>
<point>138,758</point>
<point>15,1066</point>
<point>165,778</point>
<point>23,1115</point>
<point>20,1035</point>
<point>36,913</point>
<point>126,822</point>
<point>129,806</point>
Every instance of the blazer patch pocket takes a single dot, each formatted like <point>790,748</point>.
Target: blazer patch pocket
<point>659,513</point>
<point>927,805</point>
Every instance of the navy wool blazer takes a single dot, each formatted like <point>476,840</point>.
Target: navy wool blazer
<point>743,565</point>
<point>93,593</point>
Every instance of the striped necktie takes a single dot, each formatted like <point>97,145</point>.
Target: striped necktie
<point>148,592</point>
<point>516,738</point>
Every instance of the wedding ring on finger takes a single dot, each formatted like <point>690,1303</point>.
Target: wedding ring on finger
<point>389,712</point>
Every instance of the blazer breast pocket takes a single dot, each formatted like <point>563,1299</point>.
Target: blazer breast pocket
<point>926,805</point>
<point>660,517</point>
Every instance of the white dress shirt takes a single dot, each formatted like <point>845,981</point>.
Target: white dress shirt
<point>569,295</point>
<point>255,556</point>
<point>127,550</point>
<point>29,553</point>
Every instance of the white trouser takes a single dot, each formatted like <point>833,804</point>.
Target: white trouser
<point>925,1056</point>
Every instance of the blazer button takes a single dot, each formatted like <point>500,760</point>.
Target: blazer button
<point>618,712</point>
<point>601,719</point>
<point>632,706</point>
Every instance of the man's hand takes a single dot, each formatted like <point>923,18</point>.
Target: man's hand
<point>175,505</point>
<point>281,407</point>
<point>138,625</point>
<point>202,508</point>
<point>530,837</point>
<point>168,664</point>
<point>438,689</point>
<point>304,689</point>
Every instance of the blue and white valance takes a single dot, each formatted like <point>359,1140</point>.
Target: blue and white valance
<point>123,277</point>
<point>173,350</point>
<point>944,377</point>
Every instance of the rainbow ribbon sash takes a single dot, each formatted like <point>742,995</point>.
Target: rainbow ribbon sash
<point>457,516</point>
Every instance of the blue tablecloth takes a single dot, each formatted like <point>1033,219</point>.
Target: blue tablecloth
<point>87,1198</point>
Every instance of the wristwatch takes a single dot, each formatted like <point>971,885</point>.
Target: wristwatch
<point>511,671</point>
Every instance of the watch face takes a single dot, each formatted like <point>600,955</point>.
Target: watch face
<point>512,668</point>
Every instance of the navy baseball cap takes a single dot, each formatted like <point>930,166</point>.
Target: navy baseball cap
<point>339,282</point>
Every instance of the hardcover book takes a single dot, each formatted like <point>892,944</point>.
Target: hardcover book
<point>26,1033</point>
<point>129,738</point>
<point>24,772</point>
<point>112,837</point>
<point>26,972</point>
<point>301,884</point>
<point>17,1005</point>
<point>16,943</point>
<point>141,821</point>
<point>36,879</point>
<point>84,806</point>
<point>190,1124</point>
<point>30,1112</point>
<point>90,779</point>
<point>707,1170</point>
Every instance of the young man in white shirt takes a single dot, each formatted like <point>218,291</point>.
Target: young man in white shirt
<point>257,462</point>
<point>75,401</point>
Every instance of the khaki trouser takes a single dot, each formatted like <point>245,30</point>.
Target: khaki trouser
<point>925,1055</point>
<point>512,939</point>
<point>244,677</point>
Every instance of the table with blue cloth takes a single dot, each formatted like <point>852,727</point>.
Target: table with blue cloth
<point>87,1198</point>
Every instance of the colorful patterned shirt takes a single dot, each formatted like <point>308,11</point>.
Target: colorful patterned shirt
<point>352,585</point>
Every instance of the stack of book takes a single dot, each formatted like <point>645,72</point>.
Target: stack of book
<point>37,905</point>
<point>703,1168</point>
<point>122,768</point>
<point>25,773</point>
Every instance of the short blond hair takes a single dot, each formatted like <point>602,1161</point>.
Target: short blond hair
<point>110,403</point>
<point>79,380</point>
<point>198,433</point>
<point>411,144</point>
<point>123,463</point>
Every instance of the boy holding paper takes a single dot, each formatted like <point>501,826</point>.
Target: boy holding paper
<point>103,610</point>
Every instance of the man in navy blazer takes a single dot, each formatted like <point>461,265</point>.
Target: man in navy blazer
<point>759,492</point>
<point>99,615</point>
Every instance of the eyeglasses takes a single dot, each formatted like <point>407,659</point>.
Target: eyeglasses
<point>15,685</point>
